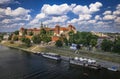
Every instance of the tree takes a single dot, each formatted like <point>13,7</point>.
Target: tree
<point>71,37</point>
<point>65,41</point>
<point>25,32</point>
<point>42,32</point>
<point>47,39</point>
<point>31,33</point>
<point>10,37</point>
<point>93,42</point>
<point>36,39</point>
<point>26,41</point>
<point>116,46</point>
<point>16,32</point>
<point>15,38</point>
<point>59,43</point>
<point>106,45</point>
<point>1,36</point>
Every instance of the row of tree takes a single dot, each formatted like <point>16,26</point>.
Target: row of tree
<point>111,46</point>
<point>44,36</point>
<point>84,38</point>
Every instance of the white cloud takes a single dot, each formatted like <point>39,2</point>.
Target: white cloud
<point>84,16</point>
<point>92,21</point>
<point>20,11</point>
<point>95,7</point>
<point>59,19</point>
<point>97,17</point>
<point>116,12</point>
<point>5,1</point>
<point>79,9</point>
<point>56,9</point>
<point>118,7</point>
<point>6,21</point>
<point>13,18</point>
<point>109,17</point>
<point>40,16</point>
<point>17,12</point>
<point>73,21</point>
<point>117,20</point>
<point>107,13</point>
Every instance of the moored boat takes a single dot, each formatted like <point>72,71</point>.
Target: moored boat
<point>52,56</point>
<point>113,69</point>
<point>37,53</point>
<point>89,63</point>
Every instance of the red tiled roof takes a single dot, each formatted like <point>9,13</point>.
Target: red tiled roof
<point>63,28</point>
<point>71,26</point>
<point>28,37</point>
<point>21,28</point>
<point>29,29</point>
<point>55,38</point>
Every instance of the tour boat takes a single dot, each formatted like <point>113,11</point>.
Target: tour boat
<point>112,68</point>
<point>84,62</point>
<point>37,53</point>
<point>51,56</point>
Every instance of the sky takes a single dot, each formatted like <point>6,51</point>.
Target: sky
<point>85,15</point>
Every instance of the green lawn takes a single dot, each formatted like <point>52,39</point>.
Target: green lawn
<point>65,51</point>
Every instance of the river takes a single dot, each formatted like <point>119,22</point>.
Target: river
<point>17,64</point>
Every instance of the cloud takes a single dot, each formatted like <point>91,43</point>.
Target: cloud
<point>97,17</point>
<point>109,17</point>
<point>93,7</point>
<point>40,16</point>
<point>117,20</point>
<point>118,7</point>
<point>5,1</point>
<point>84,16</point>
<point>10,17</point>
<point>107,13</point>
<point>6,21</point>
<point>17,12</point>
<point>56,9</point>
<point>80,9</point>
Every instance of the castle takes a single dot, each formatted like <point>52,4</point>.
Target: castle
<point>57,31</point>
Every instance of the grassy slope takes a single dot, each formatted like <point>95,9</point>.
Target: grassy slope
<point>65,52</point>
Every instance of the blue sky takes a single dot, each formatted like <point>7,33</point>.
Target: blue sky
<point>85,15</point>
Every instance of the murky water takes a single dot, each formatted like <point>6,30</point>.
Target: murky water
<point>16,64</point>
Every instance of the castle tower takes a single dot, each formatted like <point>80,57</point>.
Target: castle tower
<point>57,30</point>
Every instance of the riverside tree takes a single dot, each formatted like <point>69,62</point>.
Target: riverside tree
<point>15,38</point>
<point>36,39</point>
<point>106,45</point>
<point>59,43</point>
<point>26,41</point>
<point>85,38</point>
<point>116,46</point>
<point>16,32</point>
<point>45,36</point>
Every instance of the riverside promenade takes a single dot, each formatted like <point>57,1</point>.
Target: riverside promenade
<point>66,55</point>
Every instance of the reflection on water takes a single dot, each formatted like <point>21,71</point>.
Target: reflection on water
<point>16,64</point>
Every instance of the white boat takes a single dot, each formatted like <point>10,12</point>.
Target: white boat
<point>37,53</point>
<point>84,62</point>
<point>51,56</point>
<point>112,69</point>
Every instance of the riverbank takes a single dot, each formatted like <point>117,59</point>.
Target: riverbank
<point>65,53</point>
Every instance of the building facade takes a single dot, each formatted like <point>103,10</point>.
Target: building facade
<point>57,31</point>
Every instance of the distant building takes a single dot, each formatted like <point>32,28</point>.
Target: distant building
<point>57,31</point>
<point>5,37</point>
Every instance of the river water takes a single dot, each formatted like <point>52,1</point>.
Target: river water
<point>17,64</point>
